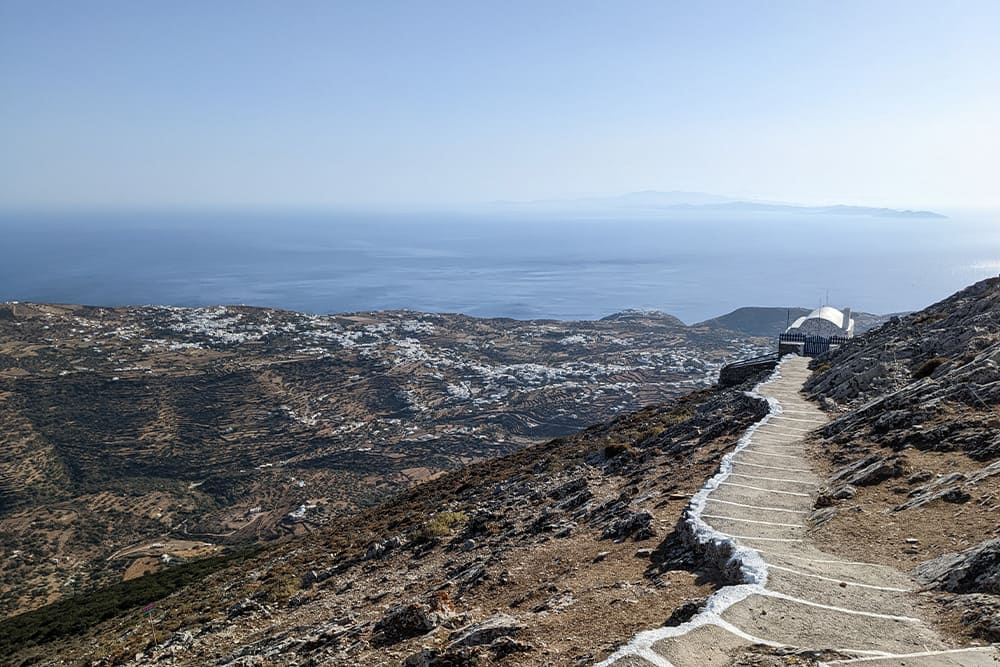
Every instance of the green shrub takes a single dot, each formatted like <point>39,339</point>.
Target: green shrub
<point>75,615</point>
<point>439,525</point>
<point>617,449</point>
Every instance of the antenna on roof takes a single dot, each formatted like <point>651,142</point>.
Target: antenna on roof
<point>828,296</point>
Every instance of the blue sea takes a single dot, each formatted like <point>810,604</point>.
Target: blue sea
<point>693,266</point>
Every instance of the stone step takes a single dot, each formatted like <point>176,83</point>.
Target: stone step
<point>779,460</point>
<point>845,592</point>
<point>708,645</point>
<point>751,494</point>
<point>767,468</point>
<point>715,505</point>
<point>800,624</point>
<point>798,418</point>
<point>791,458</point>
<point>779,439</point>
<point>748,528</point>
<point>985,656</point>
<point>772,480</point>
<point>806,559</point>
<point>793,447</point>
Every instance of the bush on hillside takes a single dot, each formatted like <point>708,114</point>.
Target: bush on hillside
<point>928,367</point>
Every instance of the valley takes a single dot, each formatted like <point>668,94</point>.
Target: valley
<point>232,425</point>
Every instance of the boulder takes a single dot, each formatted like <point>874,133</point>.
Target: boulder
<point>427,657</point>
<point>980,614</point>
<point>947,487</point>
<point>870,470</point>
<point>383,548</point>
<point>639,525</point>
<point>975,570</point>
<point>485,632</point>
<point>245,607</point>
<point>828,497</point>
<point>822,515</point>
<point>685,612</point>
<point>504,646</point>
<point>570,488</point>
<point>404,621</point>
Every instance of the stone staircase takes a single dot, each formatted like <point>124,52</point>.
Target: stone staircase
<point>806,598</point>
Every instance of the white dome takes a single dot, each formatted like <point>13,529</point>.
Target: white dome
<point>824,321</point>
<point>828,313</point>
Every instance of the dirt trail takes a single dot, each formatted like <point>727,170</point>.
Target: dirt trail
<point>807,598</point>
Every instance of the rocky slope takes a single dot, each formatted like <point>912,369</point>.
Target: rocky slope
<point>551,555</point>
<point>913,453</point>
<point>135,437</point>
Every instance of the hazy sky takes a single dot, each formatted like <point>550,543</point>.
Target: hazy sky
<point>313,103</point>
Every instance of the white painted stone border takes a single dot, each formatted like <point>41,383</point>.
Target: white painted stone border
<point>747,562</point>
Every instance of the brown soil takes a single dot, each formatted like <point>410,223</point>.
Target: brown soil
<point>866,529</point>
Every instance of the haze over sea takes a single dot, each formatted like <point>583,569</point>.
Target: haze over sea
<point>694,265</point>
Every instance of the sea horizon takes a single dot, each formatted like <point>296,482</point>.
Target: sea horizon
<point>529,266</point>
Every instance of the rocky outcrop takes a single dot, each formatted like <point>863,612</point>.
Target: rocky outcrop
<point>915,448</point>
<point>974,575</point>
<point>957,330</point>
<point>975,570</point>
<point>979,613</point>
<point>746,371</point>
<point>637,525</point>
<point>404,621</point>
<point>929,380</point>
<point>485,632</point>
<point>870,470</point>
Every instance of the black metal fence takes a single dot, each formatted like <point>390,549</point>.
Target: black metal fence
<point>813,345</point>
<point>803,338</point>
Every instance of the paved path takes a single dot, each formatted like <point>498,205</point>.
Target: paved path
<point>811,599</point>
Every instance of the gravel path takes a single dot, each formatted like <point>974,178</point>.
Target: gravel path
<point>810,599</point>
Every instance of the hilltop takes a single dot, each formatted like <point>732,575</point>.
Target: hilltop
<point>557,553</point>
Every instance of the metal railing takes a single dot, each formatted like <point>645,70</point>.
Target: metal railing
<point>803,338</point>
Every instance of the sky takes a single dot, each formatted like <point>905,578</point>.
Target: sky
<point>259,104</point>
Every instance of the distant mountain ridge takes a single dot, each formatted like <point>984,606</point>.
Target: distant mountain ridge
<point>754,321</point>
<point>655,202</point>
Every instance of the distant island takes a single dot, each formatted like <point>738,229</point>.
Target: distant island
<point>652,202</point>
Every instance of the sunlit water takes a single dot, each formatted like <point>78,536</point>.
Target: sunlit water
<point>695,267</point>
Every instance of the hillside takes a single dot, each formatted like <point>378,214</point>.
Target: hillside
<point>134,438</point>
<point>559,553</point>
<point>558,533</point>
<point>913,452</point>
